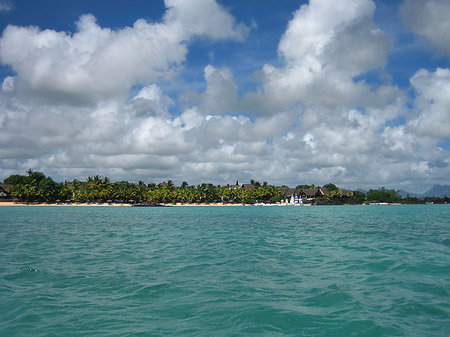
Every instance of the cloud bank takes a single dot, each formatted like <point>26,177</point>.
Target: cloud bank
<point>72,108</point>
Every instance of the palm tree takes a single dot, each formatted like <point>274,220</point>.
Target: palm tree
<point>151,195</point>
<point>141,190</point>
<point>31,193</point>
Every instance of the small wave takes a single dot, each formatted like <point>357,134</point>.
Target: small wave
<point>21,274</point>
<point>31,269</point>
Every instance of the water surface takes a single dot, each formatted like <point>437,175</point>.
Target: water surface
<point>221,271</point>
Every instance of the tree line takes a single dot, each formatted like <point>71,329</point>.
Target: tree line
<point>36,187</point>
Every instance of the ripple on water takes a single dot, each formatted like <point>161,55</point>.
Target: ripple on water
<point>316,271</point>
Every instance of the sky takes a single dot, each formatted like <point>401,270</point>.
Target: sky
<point>353,92</point>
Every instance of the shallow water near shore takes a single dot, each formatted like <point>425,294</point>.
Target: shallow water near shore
<point>221,271</point>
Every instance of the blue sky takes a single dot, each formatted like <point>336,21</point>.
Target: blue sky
<point>287,92</point>
<point>271,18</point>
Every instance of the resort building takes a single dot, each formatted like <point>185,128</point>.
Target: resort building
<point>296,196</point>
<point>4,195</point>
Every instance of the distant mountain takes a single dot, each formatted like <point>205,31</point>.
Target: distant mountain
<point>405,194</point>
<point>438,191</point>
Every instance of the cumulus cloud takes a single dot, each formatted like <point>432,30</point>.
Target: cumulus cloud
<point>221,94</point>
<point>432,104</point>
<point>98,63</point>
<point>325,46</point>
<point>96,102</point>
<point>429,19</point>
<point>203,17</point>
<point>91,65</point>
<point>326,34</point>
<point>150,101</point>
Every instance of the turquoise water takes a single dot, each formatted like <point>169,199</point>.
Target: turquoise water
<point>222,271</point>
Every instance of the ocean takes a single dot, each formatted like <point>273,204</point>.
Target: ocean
<point>225,271</point>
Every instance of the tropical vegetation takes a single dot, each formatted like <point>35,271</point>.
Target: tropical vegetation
<point>36,187</point>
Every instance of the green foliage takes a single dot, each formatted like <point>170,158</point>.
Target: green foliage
<point>359,196</point>
<point>16,179</point>
<point>299,187</point>
<point>334,194</point>
<point>36,177</point>
<point>33,178</point>
<point>255,183</point>
<point>383,195</point>
<point>275,199</point>
<point>305,186</point>
<point>412,200</point>
<point>49,190</point>
<point>437,200</point>
<point>331,187</point>
<point>37,187</point>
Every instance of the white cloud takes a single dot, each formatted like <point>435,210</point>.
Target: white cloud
<point>221,93</point>
<point>432,104</point>
<point>334,34</point>
<point>150,101</point>
<point>429,19</point>
<point>203,17</point>
<point>8,83</point>
<point>67,111</point>
<point>93,64</point>
<point>325,46</point>
<point>98,63</point>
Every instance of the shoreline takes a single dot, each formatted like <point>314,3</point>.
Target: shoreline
<point>18,204</point>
